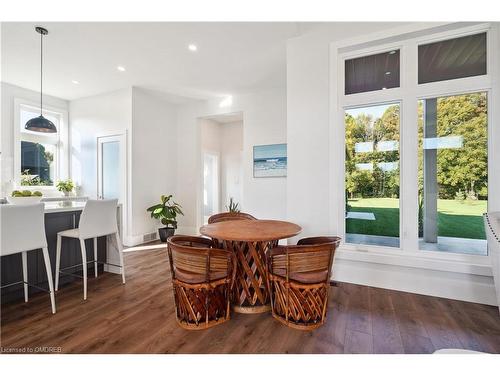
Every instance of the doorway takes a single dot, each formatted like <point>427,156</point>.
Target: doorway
<point>110,174</point>
<point>112,184</point>
<point>221,172</point>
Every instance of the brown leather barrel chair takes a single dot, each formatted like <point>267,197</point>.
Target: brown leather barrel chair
<point>202,278</point>
<point>299,281</point>
<point>228,216</point>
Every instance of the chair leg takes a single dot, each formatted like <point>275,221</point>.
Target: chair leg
<point>46,258</point>
<point>58,259</point>
<point>24,256</point>
<point>119,246</point>
<point>84,262</point>
<point>95,256</point>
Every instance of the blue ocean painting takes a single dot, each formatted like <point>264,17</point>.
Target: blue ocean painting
<point>269,160</point>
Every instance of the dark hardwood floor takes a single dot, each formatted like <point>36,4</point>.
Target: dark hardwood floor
<point>138,317</point>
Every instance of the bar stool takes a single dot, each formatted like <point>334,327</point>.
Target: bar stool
<point>23,229</point>
<point>98,219</point>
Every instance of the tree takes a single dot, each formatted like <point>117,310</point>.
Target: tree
<point>463,168</point>
<point>379,181</point>
<point>460,171</point>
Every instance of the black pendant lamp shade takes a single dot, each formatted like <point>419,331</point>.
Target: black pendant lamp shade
<point>40,123</point>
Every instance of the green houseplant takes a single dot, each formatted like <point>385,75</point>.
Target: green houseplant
<point>66,186</point>
<point>233,206</point>
<point>166,211</point>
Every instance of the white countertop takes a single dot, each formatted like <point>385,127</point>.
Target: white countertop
<point>63,206</point>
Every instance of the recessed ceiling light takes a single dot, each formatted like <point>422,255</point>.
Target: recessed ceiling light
<point>384,88</point>
<point>392,52</point>
<point>193,47</point>
<point>120,68</point>
<point>387,73</point>
<point>75,82</point>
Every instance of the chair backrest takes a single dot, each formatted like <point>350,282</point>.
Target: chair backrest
<point>22,228</point>
<point>196,256</point>
<point>309,255</point>
<point>228,216</point>
<point>98,218</point>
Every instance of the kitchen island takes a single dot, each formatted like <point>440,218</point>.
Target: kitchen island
<point>59,216</point>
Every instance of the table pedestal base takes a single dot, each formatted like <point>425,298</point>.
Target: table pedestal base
<point>250,293</point>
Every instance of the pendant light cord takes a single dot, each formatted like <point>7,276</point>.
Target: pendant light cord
<point>41,72</point>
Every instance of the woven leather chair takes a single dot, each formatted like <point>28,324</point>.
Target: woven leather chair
<point>299,280</point>
<point>202,278</point>
<point>227,216</point>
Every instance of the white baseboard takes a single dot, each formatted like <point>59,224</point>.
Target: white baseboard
<point>453,285</point>
<point>133,240</point>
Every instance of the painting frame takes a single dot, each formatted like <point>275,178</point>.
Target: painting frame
<point>270,160</point>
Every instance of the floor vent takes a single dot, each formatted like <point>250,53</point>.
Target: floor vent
<point>149,237</point>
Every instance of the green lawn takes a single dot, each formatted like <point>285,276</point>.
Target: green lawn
<point>455,218</point>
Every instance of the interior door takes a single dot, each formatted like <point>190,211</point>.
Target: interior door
<point>111,183</point>
<point>111,164</point>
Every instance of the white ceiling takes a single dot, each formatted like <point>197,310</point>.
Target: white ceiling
<point>231,57</point>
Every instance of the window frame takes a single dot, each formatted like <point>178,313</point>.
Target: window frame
<point>400,103</point>
<point>62,143</point>
<point>408,95</point>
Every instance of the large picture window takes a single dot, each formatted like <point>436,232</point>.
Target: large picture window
<point>372,175</point>
<point>453,173</point>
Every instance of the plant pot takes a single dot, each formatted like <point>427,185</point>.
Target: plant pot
<point>165,233</point>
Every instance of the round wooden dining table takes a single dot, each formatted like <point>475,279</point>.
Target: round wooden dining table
<point>249,240</point>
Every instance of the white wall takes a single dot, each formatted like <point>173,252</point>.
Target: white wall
<point>149,123</point>
<point>92,117</point>
<point>8,94</point>
<point>153,158</point>
<point>211,135</point>
<point>264,117</point>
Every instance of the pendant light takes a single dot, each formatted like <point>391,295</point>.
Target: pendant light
<point>40,123</point>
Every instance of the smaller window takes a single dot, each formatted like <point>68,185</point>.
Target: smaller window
<point>372,73</point>
<point>451,59</point>
<point>39,152</point>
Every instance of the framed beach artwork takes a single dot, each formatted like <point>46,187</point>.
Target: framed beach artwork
<point>269,160</point>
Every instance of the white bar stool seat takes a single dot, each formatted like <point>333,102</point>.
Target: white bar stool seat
<point>22,230</point>
<point>98,219</point>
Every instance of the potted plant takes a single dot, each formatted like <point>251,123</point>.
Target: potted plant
<point>66,186</point>
<point>166,211</point>
<point>233,206</point>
